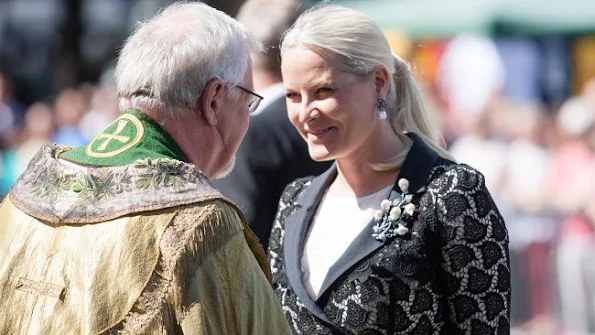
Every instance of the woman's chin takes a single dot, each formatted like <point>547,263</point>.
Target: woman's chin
<point>320,154</point>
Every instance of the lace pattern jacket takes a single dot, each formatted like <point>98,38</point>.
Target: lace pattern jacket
<point>448,275</point>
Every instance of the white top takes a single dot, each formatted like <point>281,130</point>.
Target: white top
<point>338,221</point>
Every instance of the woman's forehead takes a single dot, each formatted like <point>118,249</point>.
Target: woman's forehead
<point>305,64</point>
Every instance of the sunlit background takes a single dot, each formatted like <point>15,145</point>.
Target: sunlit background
<point>512,83</point>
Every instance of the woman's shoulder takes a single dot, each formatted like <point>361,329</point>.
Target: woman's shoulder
<point>447,175</point>
<point>463,201</point>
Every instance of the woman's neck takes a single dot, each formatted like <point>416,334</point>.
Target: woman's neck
<point>357,177</point>
<point>360,181</point>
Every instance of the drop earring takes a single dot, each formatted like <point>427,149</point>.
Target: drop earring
<point>382,107</point>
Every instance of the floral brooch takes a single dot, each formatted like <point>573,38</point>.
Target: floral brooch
<point>390,218</point>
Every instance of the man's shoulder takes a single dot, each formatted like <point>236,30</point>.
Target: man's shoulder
<point>201,228</point>
<point>214,212</point>
<point>60,192</point>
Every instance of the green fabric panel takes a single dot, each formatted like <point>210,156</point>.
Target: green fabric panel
<point>131,137</point>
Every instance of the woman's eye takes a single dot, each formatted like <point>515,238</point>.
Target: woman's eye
<point>292,96</point>
<point>324,91</point>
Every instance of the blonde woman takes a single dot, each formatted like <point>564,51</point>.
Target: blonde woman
<point>395,238</point>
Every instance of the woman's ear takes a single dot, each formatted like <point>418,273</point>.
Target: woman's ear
<point>212,100</point>
<point>381,80</point>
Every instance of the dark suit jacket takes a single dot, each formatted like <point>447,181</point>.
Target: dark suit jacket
<point>448,275</point>
<point>272,155</point>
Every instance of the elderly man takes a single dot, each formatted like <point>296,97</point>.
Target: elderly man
<point>128,235</point>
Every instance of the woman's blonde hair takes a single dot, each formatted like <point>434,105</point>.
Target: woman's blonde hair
<point>360,46</point>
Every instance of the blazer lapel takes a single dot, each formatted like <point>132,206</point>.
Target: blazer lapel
<point>296,228</point>
<point>417,165</point>
<point>416,168</point>
<point>363,245</point>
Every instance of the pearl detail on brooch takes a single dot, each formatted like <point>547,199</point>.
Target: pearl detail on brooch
<point>385,205</point>
<point>391,217</point>
<point>402,230</point>
<point>395,213</point>
<point>403,185</point>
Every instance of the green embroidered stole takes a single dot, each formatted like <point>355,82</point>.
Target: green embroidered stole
<point>130,137</point>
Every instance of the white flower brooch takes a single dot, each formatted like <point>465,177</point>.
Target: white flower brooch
<point>390,218</point>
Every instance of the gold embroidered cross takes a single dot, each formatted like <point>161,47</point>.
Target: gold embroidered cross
<point>115,136</point>
<point>127,123</point>
<point>36,288</point>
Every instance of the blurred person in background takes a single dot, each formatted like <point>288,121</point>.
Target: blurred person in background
<point>525,203</point>
<point>273,153</point>
<point>7,115</point>
<point>38,129</point>
<point>528,161</point>
<point>482,147</point>
<point>573,169</point>
<point>103,105</point>
<point>11,111</point>
<point>102,111</point>
<point>572,182</point>
<point>470,73</point>
<point>10,122</point>
<point>69,108</point>
<point>395,237</point>
<point>127,235</point>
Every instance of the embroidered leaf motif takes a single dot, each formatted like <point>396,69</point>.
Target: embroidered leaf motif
<point>177,183</point>
<point>123,182</point>
<point>101,184</point>
<point>163,173</point>
<point>48,184</point>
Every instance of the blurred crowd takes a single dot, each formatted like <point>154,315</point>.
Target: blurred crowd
<point>538,157</point>
<point>522,111</point>
<point>73,118</point>
<point>539,166</point>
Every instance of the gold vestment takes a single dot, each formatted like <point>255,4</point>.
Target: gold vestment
<point>148,248</point>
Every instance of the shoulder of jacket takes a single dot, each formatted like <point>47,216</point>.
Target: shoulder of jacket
<point>446,171</point>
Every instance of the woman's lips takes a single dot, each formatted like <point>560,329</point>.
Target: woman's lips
<point>319,133</point>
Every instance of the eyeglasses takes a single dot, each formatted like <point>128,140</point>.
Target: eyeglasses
<point>255,99</point>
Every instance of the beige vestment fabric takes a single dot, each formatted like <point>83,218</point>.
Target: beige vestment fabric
<point>150,248</point>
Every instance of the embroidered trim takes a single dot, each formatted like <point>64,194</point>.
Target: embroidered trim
<point>37,288</point>
<point>73,194</point>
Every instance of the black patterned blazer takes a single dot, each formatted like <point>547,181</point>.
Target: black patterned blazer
<point>449,275</point>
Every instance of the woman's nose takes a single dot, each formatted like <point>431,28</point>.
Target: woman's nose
<point>307,111</point>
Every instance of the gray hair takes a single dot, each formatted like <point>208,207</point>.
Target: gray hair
<point>359,45</point>
<point>169,59</point>
<point>268,19</point>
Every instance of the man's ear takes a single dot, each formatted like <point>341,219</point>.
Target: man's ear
<point>381,78</point>
<point>212,99</point>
